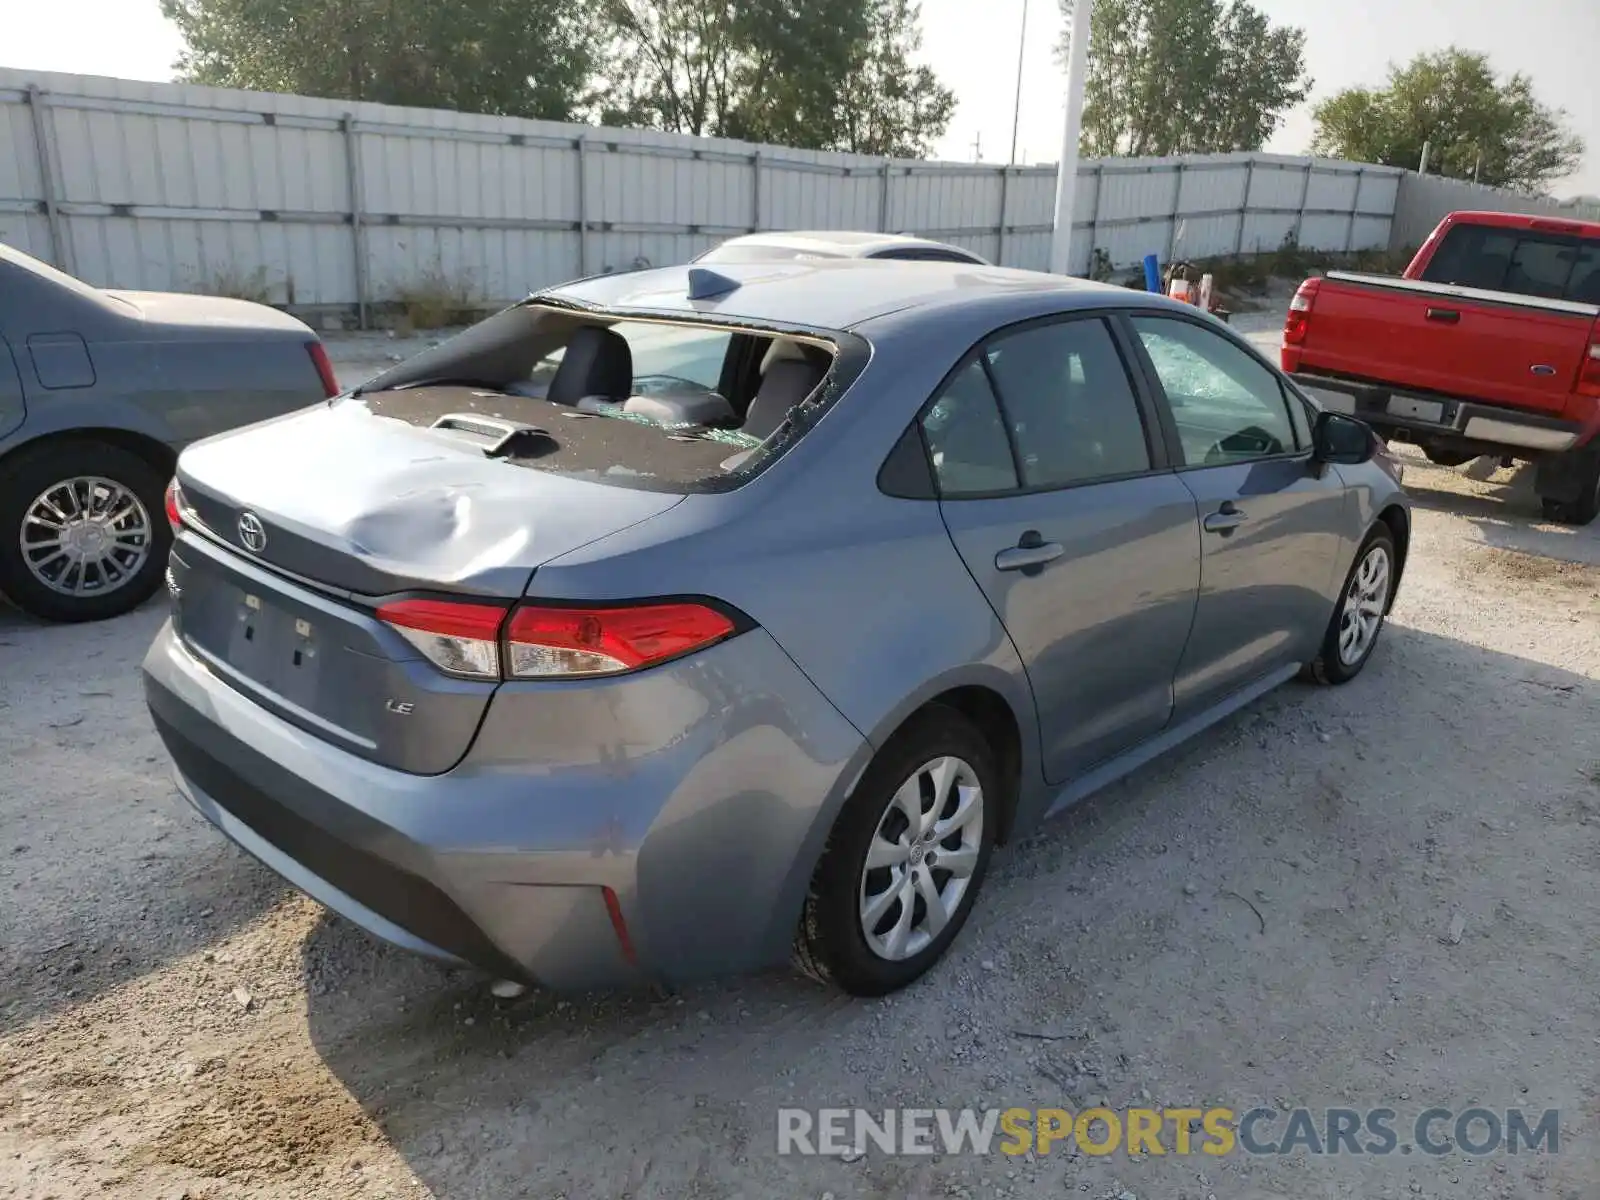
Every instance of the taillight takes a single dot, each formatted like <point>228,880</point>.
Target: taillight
<point>553,641</point>
<point>549,641</point>
<point>1589,373</point>
<point>174,504</point>
<point>319,358</point>
<point>458,638</point>
<point>1298,321</point>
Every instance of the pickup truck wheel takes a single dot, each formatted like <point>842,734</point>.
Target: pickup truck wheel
<point>1586,507</point>
<point>83,530</point>
<point>1358,617</point>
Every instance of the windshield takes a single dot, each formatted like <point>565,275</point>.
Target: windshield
<point>671,405</point>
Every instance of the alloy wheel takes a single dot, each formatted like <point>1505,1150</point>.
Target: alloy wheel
<point>1364,604</point>
<point>85,536</point>
<point>921,858</point>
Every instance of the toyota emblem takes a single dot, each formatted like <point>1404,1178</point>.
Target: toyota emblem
<point>252,532</point>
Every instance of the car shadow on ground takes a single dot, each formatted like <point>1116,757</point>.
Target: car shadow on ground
<point>653,1092</point>
<point>105,874</point>
<point>1504,511</point>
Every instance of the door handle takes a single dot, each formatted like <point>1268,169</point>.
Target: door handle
<point>1029,555</point>
<point>1448,315</point>
<point>1225,520</point>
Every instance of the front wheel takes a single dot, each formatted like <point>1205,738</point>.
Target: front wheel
<point>1358,617</point>
<point>83,530</point>
<point>905,860</point>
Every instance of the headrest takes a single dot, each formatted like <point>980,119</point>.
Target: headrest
<point>782,350</point>
<point>787,382</point>
<point>597,362</point>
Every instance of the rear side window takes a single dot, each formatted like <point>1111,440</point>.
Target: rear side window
<point>966,437</point>
<point>1527,263</point>
<point>1068,401</point>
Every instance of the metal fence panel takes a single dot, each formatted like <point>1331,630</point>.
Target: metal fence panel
<point>1423,199</point>
<point>308,202</point>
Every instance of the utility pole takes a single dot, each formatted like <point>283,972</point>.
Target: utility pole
<point>1067,169</point>
<point>1016,108</point>
<point>1422,167</point>
<point>977,147</point>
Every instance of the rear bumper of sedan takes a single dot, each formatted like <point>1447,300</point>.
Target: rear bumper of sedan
<point>676,844</point>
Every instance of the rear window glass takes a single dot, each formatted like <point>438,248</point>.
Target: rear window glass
<point>1526,263</point>
<point>678,406</point>
<point>664,356</point>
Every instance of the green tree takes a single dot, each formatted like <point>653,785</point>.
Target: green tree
<point>819,74</point>
<point>1474,122</point>
<point>1186,76</point>
<point>526,58</point>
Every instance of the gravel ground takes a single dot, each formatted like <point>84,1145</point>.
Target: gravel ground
<point>1382,894</point>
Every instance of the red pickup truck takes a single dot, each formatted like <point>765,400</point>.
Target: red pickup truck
<point>1489,344</point>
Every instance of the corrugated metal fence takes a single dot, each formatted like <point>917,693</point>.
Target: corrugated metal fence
<point>1423,199</point>
<point>311,203</point>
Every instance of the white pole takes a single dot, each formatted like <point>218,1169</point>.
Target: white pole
<point>1067,171</point>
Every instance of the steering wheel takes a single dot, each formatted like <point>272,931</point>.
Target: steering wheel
<point>1250,442</point>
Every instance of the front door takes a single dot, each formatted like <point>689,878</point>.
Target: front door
<point>1062,507</point>
<point>1270,537</point>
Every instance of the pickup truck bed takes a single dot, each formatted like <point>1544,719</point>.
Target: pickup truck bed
<point>1466,370</point>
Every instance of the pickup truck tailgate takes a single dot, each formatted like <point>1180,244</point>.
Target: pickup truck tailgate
<point>1488,346</point>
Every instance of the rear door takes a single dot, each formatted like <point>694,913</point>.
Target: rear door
<point>1059,500</point>
<point>1270,529</point>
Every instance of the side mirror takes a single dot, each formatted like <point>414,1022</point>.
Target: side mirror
<point>1337,438</point>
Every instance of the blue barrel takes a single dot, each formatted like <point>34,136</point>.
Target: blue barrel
<point>1152,273</point>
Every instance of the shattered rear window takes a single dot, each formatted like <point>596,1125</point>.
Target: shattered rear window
<point>641,405</point>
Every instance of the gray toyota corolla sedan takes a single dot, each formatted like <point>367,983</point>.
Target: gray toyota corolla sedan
<point>684,621</point>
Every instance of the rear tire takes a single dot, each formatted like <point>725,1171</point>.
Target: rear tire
<point>943,768</point>
<point>1359,616</point>
<point>1574,478</point>
<point>83,530</point>
<point>1585,508</point>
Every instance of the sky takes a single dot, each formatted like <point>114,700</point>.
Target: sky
<point>973,45</point>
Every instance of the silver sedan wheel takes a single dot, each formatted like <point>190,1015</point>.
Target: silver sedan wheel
<point>85,536</point>
<point>1364,604</point>
<point>921,858</point>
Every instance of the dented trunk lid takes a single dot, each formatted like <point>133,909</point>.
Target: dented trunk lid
<point>360,502</point>
<point>298,528</point>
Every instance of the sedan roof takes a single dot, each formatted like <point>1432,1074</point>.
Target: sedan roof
<point>834,243</point>
<point>839,293</point>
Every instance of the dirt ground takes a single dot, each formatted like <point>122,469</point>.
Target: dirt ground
<point>1385,894</point>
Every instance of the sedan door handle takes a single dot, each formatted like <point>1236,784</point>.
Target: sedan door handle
<point>1448,315</point>
<point>1225,520</point>
<point>1030,554</point>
